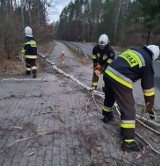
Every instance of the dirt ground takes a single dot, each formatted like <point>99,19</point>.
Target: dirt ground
<point>69,116</point>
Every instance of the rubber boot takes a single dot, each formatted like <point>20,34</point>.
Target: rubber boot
<point>28,72</point>
<point>108,118</point>
<point>34,73</point>
<point>132,146</point>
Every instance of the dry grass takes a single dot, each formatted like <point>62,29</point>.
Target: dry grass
<point>11,67</point>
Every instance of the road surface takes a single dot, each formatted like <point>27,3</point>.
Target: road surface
<point>52,121</point>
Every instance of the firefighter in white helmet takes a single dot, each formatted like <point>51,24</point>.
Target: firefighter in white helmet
<point>131,65</point>
<point>30,52</point>
<point>102,55</point>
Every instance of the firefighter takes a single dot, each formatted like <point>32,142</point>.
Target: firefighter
<point>30,52</point>
<point>131,65</point>
<point>102,55</point>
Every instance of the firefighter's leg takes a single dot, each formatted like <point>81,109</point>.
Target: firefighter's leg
<point>126,103</point>
<point>95,79</point>
<point>34,68</point>
<point>28,66</point>
<point>108,101</point>
<point>34,71</point>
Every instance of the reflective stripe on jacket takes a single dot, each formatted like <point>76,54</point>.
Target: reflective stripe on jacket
<point>131,65</point>
<point>102,56</point>
<point>29,48</point>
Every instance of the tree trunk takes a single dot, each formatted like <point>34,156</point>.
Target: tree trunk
<point>148,37</point>
<point>117,13</point>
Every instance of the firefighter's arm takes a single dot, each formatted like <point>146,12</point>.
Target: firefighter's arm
<point>94,57</point>
<point>147,83</point>
<point>149,95</point>
<point>25,47</point>
<point>22,52</point>
<point>111,56</point>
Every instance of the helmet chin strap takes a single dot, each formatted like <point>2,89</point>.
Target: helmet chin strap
<point>102,46</point>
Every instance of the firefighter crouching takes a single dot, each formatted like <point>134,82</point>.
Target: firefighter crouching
<point>102,55</point>
<point>30,52</point>
<point>131,65</point>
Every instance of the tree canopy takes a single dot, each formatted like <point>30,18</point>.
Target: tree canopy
<point>126,22</point>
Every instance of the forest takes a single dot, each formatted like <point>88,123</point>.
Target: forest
<point>126,22</point>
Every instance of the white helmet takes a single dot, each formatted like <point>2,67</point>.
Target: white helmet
<point>103,40</point>
<point>155,50</point>
<point>28,31</point>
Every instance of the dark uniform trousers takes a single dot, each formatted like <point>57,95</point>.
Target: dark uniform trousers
<point>95,79</point>
<point>31,66</point>
<point>125,100</point>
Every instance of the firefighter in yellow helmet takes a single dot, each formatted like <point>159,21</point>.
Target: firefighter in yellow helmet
<point>131,65</point>
<point>102,55</point>
<point>30,52</point>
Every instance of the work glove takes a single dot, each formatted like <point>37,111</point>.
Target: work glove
<point>152,114</point>
<point>21,56</point>
<point>150,111</point>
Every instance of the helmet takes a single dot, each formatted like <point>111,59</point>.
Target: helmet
<point>103,40</point>
<point>28,31</point>
<point>155,50</point>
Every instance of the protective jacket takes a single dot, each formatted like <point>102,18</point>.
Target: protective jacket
<point>30,53</point>
<point>131,65</point>
<point>128,67</point>
<point>29,48</point>
<point>102,56</point>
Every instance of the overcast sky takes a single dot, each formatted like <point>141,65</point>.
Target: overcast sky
<point>55,11</point>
